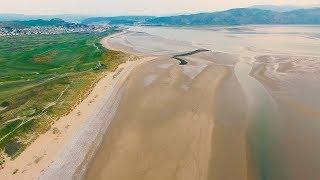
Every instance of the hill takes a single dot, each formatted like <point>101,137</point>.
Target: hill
<point>276,8</point>
<point>22,17</point>
<point>242,16</point>
<point>37,22</point>
<point>262,14</point>
<point>283,8</point>
<point>118,20</point>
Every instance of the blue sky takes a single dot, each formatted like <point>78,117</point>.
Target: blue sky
<point>132,7</point>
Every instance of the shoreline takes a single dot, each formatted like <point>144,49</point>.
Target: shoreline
<point>91,133</point>
<point>50,146</point>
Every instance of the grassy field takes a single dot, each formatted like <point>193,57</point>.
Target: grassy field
<point>42,77</point>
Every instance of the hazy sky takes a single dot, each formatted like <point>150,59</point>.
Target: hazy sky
<point>132,7</point>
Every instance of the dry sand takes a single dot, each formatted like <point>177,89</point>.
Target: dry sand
<point>52,145</point>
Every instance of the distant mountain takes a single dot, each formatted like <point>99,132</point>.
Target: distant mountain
<point>284,8</point>
<point>262,14</point>
<point>242,16</point>
<point>12,17</point>
<point>37,22</point>
<point>300,16</point>
<point>117,20</point>
<point>276,8</point>
<point>21,17</point>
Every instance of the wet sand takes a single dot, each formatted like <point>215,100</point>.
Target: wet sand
<point>170,123</point>
<point>293,81</point>
<point>249,111</point>
<point>229,134</point>
<point>162,131</point>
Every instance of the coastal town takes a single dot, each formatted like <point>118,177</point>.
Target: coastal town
<point>46,30</point>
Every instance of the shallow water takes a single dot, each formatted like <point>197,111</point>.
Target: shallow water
<point>272,119</point>
<point>255,39</point>
<point>261,134</point>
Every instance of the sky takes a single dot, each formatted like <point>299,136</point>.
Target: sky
<point>133,7</point>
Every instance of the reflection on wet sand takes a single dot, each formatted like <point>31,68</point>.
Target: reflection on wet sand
<point>250,111</point>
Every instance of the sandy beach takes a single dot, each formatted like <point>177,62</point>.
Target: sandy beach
<point>51,145</point>
<point>166,126</point>
<point>147,141</point>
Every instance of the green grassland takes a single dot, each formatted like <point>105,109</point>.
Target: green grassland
<point>42,77</point>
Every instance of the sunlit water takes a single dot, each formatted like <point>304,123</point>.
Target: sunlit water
<point>246,39</point>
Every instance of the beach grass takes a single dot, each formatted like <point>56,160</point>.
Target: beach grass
<point>43,77</point>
